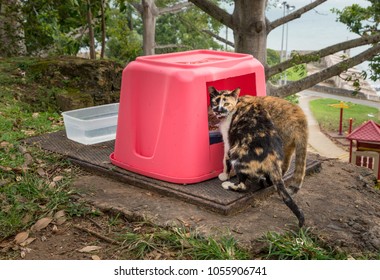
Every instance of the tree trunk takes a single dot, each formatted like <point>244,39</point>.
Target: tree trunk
<point>90,31</point>
<point>103,29</point>
<point>149,14</point>
<point>250,28</point>
<point>11,30</point>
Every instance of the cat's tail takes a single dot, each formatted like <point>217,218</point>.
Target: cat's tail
<point>290,202</point>
<point>300,162</point>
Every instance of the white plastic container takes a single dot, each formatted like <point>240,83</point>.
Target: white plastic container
<point>93,124</point>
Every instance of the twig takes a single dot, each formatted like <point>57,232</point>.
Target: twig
<point>95,223</point>
<point>105,238</point>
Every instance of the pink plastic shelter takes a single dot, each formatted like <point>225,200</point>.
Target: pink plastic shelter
<point>163,129</point>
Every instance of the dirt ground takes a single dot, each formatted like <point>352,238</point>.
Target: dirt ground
<point>340,204</point>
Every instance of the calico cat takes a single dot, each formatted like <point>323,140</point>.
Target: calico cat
<point>290,123</point>
<point>253,147</point>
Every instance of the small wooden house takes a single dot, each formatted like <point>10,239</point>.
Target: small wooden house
<point>367,153</point>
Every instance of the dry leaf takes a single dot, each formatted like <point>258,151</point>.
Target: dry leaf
<point>60,221</point>
<point>41,172</point>
<point>57,178</point>
<point>27,242</point>
<point>41,224</point>
<point>60,217</point>
<point>24,251</point>
<point>4,144</point>
<point>88,249</point>
<point>95,258</point>
<point>21,237</point>
<point>59,214</point>
<point>28,132</point>
<point>55,229</point>
<point>27,218</point>
<point>35,115</point>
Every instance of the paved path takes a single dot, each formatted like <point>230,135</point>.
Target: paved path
<point>318,141</point>
<point>315,94</point>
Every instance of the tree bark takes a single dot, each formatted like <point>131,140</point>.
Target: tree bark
<point>248,23</point>
<point>102,8</point>
<point>150,13</point>
<point>215,11</point>
<point>250,28</point>
<point>90,31</point>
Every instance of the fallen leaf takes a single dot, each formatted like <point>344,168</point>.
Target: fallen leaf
<point>41,224</point>
<point>41,172</point>
<point>28,132</point>
<point>24,251</point>
<point>57,178</point>
<point>95,258</point>
<point>4,144</point>
<point>59,214</point>
<point>88,249</point>
<point>55,229</point>
<point>21,237</point>
<point>60,220</point>
<point>60,217</point>
<point>35,115</point>
<point>27,242</point>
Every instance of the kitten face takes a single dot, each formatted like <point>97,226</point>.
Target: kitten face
<point>223,102</point>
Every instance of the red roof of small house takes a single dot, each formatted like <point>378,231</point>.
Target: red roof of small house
<point>367,132</point>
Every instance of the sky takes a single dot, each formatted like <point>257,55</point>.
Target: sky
<point>314,30</point>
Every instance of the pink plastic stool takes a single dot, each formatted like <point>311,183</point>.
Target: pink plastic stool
<point>163,129</point>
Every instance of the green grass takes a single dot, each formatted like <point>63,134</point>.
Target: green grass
<point>301,245</point>
<point>180,243</point>
<point>26,194</point>
<point>328,117</point>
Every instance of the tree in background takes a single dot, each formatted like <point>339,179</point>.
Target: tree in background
<point>173,25</point>
<point>123,41</point>
<point>251,28</point>
<point>12,36</point>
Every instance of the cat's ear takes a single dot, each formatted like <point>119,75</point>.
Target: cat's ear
<point>236,92</point>
<point>212,91</point>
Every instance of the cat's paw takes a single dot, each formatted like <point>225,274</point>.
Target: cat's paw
<point>223,176</point>
<point>227,185</point>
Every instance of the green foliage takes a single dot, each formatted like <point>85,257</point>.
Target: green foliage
<point>181,243</point>
<point>123,44</point>
<point>185,30</point>
<point>301,245</point>
<point>294,98</point>
<point>328,117</point>
<point>294,73</point>
<point>363,21</point>
<point>273,57</point>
